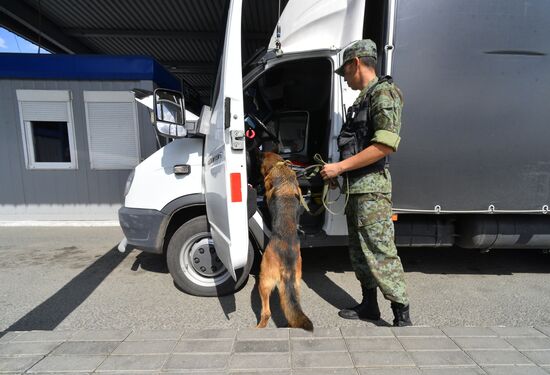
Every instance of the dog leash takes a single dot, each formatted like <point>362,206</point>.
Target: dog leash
<point>315,169</point>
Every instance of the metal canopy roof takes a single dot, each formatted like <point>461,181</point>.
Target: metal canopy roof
<point>183,35</point>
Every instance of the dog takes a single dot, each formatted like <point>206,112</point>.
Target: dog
<point>281,264</point>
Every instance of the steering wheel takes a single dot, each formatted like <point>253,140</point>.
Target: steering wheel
<point>264,127</point>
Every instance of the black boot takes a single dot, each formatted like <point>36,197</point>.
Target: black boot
<point>367,309</point>
<point>401,313</point>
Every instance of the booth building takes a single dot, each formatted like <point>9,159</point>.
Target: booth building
<point>71,132</point>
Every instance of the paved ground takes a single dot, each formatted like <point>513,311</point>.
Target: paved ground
<point>73,278</point>
<point>366,350</point>
<point>70,303</point>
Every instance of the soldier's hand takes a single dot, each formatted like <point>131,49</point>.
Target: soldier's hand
<point>331,170</point>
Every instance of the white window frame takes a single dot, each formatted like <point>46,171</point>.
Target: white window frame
<point>111,97</point>
<point>26,129</point>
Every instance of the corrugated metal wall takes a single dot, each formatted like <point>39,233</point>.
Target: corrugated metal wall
<point>81,194</point>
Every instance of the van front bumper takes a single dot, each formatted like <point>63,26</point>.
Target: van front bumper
<point>143,228</point>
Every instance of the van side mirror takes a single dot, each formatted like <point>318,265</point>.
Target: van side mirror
<point>169,113</point>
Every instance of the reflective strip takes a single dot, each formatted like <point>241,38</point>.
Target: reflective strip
<point>236,193</point>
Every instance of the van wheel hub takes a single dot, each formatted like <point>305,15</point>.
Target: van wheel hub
<point>204,260</point>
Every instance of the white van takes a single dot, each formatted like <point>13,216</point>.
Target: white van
<point>194,198</point>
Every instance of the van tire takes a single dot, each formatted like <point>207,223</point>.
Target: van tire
<point>202,274</point>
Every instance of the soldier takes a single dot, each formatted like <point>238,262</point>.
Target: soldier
<point>369,135</point>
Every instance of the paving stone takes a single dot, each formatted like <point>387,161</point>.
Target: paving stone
<point>543,329</point>
<point>133,363</point>
<point>86,347</point>
<point>390,371</point>
<point>381,359</point>
<point>261,346</point>
<point>541,358</point>
<point>428,343</point>
<point>514,370</point>
<point>100,335</point>
<point>243,361</point>
<point>498,357</point>
<point>317,333</point>
<point>417,331</point>
<point>373,344</point>
<point>472,343</point>
<point>209,334</point>
<point>196,362</point>
<point>318,345</point>
<point>469,332</point>
<point>258,372</point>
<point>367,332</point>
<point>324,359</point>
<point>18,364</point>
<point>27,348</point>
<point>263,334</point>
<point>517,331</point>
<point>64,363</point>
<point>8,336</point>
<point>154,335</point>
<point>43,336</point>
<point>441,358</point>
<point>145,347</point>
<point>324,371</point>
<point>453,371</point>
<point>204,346</point>
<point>529,343</point>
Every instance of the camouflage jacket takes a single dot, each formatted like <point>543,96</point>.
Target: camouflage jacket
<point>385,107</point>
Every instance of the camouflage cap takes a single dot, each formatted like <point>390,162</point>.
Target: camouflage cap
<point>361,48</point>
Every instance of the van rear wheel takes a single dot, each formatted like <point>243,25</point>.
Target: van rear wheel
<point>195,266</point>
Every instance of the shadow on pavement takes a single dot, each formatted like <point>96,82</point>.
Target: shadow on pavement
<point>473,262</point>
<point>437,261</point>
<point>50,313</point>
<point>150,262</point>
<point>274,304</point>
<point>157,263</point>
<point>315,265</point>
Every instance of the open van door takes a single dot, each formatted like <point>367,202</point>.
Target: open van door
<point>308,25</point>
<point>225,154</point>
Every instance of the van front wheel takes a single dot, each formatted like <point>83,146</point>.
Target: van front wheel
<point>194,265</point>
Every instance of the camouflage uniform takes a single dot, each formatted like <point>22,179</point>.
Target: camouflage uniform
<point>371,232</point>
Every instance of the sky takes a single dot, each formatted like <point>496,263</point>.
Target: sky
<point>10,42</point>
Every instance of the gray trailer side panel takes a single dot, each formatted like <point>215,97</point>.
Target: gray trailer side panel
<point>476,122</point>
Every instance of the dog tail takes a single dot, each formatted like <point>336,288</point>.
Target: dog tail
<point>290,303</point>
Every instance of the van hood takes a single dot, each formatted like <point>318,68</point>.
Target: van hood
<point>319,24</point>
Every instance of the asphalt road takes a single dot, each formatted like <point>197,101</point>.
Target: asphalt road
<point>74,278</point>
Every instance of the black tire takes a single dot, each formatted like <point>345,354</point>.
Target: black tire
<point>193,263</point>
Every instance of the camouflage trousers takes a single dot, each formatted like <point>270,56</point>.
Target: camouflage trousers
<point>372,248</point>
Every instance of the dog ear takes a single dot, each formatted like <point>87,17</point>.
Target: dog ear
<point>265,166</point>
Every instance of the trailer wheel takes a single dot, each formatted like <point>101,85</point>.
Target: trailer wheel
<point>194,265</point>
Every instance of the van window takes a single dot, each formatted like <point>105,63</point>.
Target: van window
<point>293,99</point>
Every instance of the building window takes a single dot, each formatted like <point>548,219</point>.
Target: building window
<point>112,126</point>
<point>51,142</point>
<point>47,129</point>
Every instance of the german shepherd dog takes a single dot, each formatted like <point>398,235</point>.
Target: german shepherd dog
<point>281,265</point>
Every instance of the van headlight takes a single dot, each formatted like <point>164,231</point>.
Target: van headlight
<point>129,182</point>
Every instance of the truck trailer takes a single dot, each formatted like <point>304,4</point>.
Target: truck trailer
<point>472,170</point>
